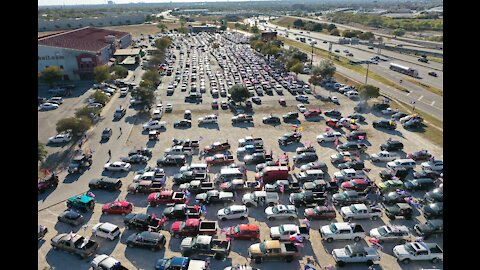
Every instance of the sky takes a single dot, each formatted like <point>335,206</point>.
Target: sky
<point>92,2</point>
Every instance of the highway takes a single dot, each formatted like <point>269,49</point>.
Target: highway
<point>361,52</point>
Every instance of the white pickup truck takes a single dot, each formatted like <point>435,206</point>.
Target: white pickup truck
<point>360,211</point>
<point>208,119</point>
<point>418,251</point>
<point>179,150</point>
<point>255,198</point>
<point>355,254</point>
<point>342,231</point>
<point>348,174</point>
<point>384,156</point>
<point>286,231</point>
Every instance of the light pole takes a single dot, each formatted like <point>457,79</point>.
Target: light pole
<point>366,76</point>
<point>313,44</point>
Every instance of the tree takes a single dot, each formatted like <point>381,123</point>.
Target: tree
<point>368,91</point>
<point>366,36</point>
<point>398,32</point>
<point>236,25</point>
<point>100,97</point>
<point>151,75</point>
<point>326,69</point>
<point>42,153</point>
<point>239,93</point>
<point>148,18</point>
<point>51,75</point>
<point>77,125</point>
<point>146,84</point>
<point>335,32</point>
<point>215,45</point>
<point>163,43</point>
<point>162,27</point>
<point>120,71</point>
<point>254,30</point>
<point>146,95</point>
<point>315,80</point>
<point>349,34</point>
<point>101,73</point>
<point>89,112</point>
<point>298,23</point>
<point>317,27</point>
<point>331,27</point>
<point>297,68</point>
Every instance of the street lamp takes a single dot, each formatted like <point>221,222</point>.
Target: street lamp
<point>313,44</point>
<point>366,76</point>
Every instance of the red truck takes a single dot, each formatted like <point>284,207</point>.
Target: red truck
<point>271,174</point>
<point>193,227</point>
<point>220,159</point>
<point>244,231</point>
<point>166,196</point>
<point>216,147</point>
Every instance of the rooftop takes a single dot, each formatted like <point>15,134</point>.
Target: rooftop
<point>84,39</point>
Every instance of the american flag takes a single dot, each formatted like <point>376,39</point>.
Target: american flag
<point>282,188</point>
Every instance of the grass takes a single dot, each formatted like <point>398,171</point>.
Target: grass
<point>433,130</point>
<point>435,59</point>
<point>146,29</point>
<point>425,86</point>
<point>344,62</point>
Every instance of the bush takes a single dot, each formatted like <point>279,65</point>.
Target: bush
<point>335,32</point>
<point>88,112</point>
<point>101,73</point>
<point>51,75</point>
<point>77,125</point>
<point>42,153</point>
<point>120,71</point>
<point>239,93</point>
<point>368,91</point>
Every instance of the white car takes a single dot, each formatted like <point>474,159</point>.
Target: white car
<point>168,107</point>
<point>48,106</point>
<point>436,165</point>
<point>101,262</point>
<point>286,231</point>
<point>352,94</point>
<point>60,138</point>
<point>106,230</point>
<point>389,111</point>
<point>303,98</point>
<point>384,156</point>
<point>334,99</point>
<point>208,119</point>
<point>281,211</point>
<point>154,124</point>
<point>233,212</point>
<point>56,100</point>
<point>301,108</point>
<point>407,163</point>
<point>328,136</point>
<point>117,166</point>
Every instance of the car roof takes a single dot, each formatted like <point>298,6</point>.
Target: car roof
<point>108,226</point>
<point>237,207</point>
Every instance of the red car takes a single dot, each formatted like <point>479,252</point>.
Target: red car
<point>312,113</point>
<point>332,123</point>
<point>352,127</point>
<point>244,231</point>
<point>216,147</point>
<point>420,155</point>
<point>358,185</point>
<point>219,159</point>
<point>167,196</point>
<point>117,207</point>
<point>215,104</point>
<point>320,212</point>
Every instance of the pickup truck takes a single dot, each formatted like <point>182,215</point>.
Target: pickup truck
<point>165,197</point>
<point>384,156</point>
<point>145,187</point>
<point>241,118</point>
<point>216,147</point>
<point>142,222</point>
<point>205,245</point>
<point>307,198</point>
<point>342,231</point>
<point>74,243</point>
<point>355,254</point>
<point>186,142</point>
<point>179,150</point>
<point>180,263</point>
<point>273,250</point>
<point>149,176</point>
<point>348,197</point>
<point>215,196</point>
<point>360,211</point>
<point>80,163</point>
<point>105,262</point>
<point>208,119</point>
<point>286,231</point>
<point>220,159</point>
<point>193,227</point>
<point>348,174</point>
<point>418,251</point>
<point>188,176</point>
<point>182,211</point>
<point>197,186</point>
<point>255,198</point>
<point>250,140</point>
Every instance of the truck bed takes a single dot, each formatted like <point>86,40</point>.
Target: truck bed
<point>208,226</point>
<point>358,229</point>
<point>220,245</point>
<point>290,247</point>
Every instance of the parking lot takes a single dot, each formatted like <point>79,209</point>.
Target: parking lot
<point>133,137</point>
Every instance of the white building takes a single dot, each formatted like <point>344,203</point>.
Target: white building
<point>79,51</point>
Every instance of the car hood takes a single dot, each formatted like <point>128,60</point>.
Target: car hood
<point>338,175</point>
<point>337,196</point>
<point>201,196</point>
<point>168,150</point>
<point>269,211</point>
<point>339,253</point>
<point>151,197</point>
<point>346,210</point>
<point>176,226</point>
<point>132,237</point>
<point>309,212</point>
<point>400,250</point>
<point>325,230</point>
<point>275,231</point>
<point>254,249</point>
<point>221,212</point>
<point>209,159</point>
<point>374,233</point>
<point>168,210</point>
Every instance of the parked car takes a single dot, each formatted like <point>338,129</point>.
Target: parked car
<point>107,183</point>
<point>420,155</point>
<point>391,146</point>
<point>433,210</point>
<point>420,184</point>
<point>434,165</point>
<point>74,243</point>
<point>244,231</point>
<point>429,228</point>
<point>71,218</point>
<point>106,230</point>
<point>281,211</point>
<point>320,212</point>
<point>150,240</point>
<point>271,119</point>
<point>233,212</point>
<point>117,207</point>
<point>384,124</point>
<point>117,166</point>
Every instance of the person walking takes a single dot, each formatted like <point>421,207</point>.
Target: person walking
<point>109,154</point>
<point>120,130</point>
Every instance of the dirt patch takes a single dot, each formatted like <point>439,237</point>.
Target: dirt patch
<point>146,29</point>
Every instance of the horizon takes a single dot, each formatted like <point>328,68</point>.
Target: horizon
<point>104,2</point>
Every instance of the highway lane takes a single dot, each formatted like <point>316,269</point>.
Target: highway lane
<point>361,52</point>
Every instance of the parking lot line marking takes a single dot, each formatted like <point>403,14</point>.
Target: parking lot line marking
<point>433,102</point>
<point>420,98</point>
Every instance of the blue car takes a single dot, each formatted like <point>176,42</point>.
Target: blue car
<point>179,263</point>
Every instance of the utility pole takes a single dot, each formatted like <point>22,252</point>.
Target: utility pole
<point>366,76</point>
<point>313,44</point>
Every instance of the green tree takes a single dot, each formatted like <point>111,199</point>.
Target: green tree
<point>215,45</point>
<point>101,73</point>
<point>398,32</point>
<point>318,27</point>
<point>100,97</point>
<point>163,43</point>
<point>335,32</point>
<point>254,30</point>
<point>162,27</point>
<point>366,36</point>
<point>146,84</point>
<point>349,34</point>
<point>325,69</point>
<point>42,153</point>
<point>146,95</point>
<point>120,71</point>
<point>51,75</point>
<point>148,18</point>
<point>239,93</point>
<point>151,75</point>
<point>331,27</point>
<point>87,112</point>
<point>77,125</point>
<point>297,68</point>
<point>298,23</point>
<point>315,80</point>
<point>368,91</point>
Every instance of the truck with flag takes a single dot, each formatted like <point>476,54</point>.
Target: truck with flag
<point>355,254</point>
<point>273,250</point>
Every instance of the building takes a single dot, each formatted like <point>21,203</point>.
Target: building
<point>108,20</point>
<point>198,11</point>
<point>127,57</point>
<point>79,51</point>
<point>203,28</point>
<point>269,35</point>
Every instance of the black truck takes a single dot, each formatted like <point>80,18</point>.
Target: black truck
<point>182,211</point>
<point>79,163</point>
<point>307,198</point>
<point>205,245</point>
<point>142,222</point>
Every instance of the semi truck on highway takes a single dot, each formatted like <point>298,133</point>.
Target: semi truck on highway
<point>403,69</point>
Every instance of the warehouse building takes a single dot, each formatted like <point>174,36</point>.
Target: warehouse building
<point>79,51</point>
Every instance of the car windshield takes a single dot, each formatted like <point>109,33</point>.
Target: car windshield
<point>275,210</point>
<point>252,196</point>
<point>348,251</point>
<point>237,229</point>
<point>333,228</point>
<point>382,231</point>
<point>281,229</point>
<point>227,211</point>
<point>353,208</point>
<point>182,225</point>
<point>263,248</point>
<point>409,248</point>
